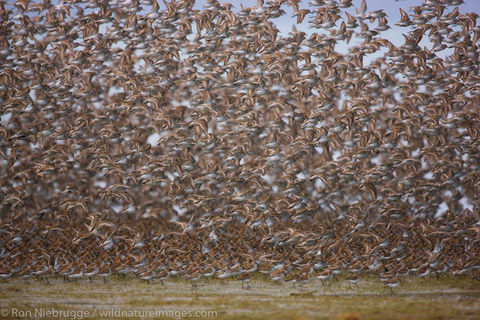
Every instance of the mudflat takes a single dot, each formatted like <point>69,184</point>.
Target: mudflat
<point>447,297</point>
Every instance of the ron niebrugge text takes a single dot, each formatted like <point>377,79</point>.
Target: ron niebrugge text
<point>108,313</point>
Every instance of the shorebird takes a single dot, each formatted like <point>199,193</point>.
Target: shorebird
<point>277,275</point>
<point>193,276</point>
<point>392,283</point>
<point>324,276</point>
<point>148,275</point>
<point>245,277</point>
<point>354,279</point>
<point>104,271</point>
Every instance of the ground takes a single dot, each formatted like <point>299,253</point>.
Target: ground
<point>446,297</point>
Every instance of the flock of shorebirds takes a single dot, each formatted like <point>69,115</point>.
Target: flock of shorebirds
<point>168,141</point>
